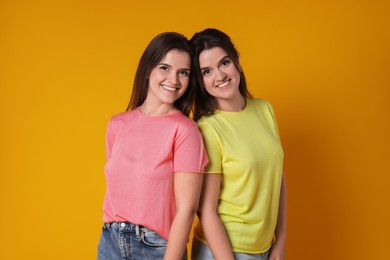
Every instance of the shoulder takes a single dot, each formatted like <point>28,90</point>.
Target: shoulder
<point>210,126</point>
<point>207,122</point>
<point>122,117</point>
<point>260,102</point>
<point>118,120</point>
<point>185,129</point>
<point>184,120</point>
<point>178,123</point>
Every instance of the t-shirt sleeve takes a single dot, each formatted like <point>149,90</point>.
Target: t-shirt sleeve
<point>271,110</point>
<point>213,148</point>
<point>111,132</point>
<point>109,140</point>
<point>189,152</point>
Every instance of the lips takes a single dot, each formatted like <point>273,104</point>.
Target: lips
<point>223,84</point>
<point>168,88</point>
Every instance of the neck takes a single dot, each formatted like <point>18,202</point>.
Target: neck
<point>156,110</point>
<point>232,105</point>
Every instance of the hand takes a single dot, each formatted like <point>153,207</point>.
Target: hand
<point>277,251</point>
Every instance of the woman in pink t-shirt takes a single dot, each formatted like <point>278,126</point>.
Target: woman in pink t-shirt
<point>155,157</point>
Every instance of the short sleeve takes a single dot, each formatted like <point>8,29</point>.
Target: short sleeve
<point>189,152</point>
<point>271,110</point>
<point>213,148</point>
<point>109,141</point>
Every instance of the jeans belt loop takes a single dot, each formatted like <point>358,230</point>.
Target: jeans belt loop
<point>137,233</point>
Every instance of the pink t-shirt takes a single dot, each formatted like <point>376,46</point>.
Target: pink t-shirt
<point>143,152</point>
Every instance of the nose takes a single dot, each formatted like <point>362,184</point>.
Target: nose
<point>220,75</point>
<point>173,78</point>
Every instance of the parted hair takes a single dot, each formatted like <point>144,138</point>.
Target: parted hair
<point>156,50</point>
<point>205,104</point>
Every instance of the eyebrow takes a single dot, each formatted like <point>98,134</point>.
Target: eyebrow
<point>219,62</point>
<point>165,64</point>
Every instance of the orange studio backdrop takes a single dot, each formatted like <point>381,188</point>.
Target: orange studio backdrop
<point>67,66</point>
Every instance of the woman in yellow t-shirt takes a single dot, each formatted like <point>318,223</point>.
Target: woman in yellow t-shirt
<point>243,204</point>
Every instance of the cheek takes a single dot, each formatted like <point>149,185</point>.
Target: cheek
<point>154,77</point>
<point>208,83</point>
<point>236,73</point>
<point>184,82</point>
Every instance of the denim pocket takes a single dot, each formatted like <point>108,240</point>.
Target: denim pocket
<point>151,238</point>
<point>106,226</point>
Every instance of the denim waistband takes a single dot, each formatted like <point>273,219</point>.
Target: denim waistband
<point>127,227</point>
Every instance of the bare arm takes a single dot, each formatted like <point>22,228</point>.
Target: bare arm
<point>212,225</point>
<point>279,247</point>
<point>187,187</point>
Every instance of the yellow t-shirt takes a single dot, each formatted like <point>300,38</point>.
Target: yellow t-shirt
<point>245,148</point>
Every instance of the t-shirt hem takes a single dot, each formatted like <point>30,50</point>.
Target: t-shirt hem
<point>251,252</point>
<point>236,250</point>
<point>188,171</point>
<point>216,172</point>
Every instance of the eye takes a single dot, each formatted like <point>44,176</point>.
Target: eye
<point>184,73</point>
<point>225,63</point>
<point>206,72</point>
<point>164,68</point>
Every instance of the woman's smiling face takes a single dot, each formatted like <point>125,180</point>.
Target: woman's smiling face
<point>169,79</point>
<point>220,76</point>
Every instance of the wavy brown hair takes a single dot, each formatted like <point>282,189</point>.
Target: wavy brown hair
<point>205,104</point>
<point>153,54</point>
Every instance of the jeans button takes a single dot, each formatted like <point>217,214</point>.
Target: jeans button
<point>123,224</point>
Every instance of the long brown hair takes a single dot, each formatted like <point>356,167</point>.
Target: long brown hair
<point>153,54</point>
<point>206,104</point>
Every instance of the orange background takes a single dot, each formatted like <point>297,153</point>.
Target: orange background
<point>67,66</point>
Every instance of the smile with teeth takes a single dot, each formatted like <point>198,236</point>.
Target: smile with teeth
<point>223,84</point>
<point>168,88</point>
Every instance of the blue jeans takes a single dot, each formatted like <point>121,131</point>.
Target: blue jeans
<point>126,241</point>
<point>201,251</point>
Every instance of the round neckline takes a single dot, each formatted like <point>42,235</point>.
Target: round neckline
<point>235,112</point>
<point>163,115</point>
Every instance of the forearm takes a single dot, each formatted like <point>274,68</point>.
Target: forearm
<point>279,247</point>
<point>280,230</point>
<point>178,235</point>
<point>216,236</point>
<point>187,188</point>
